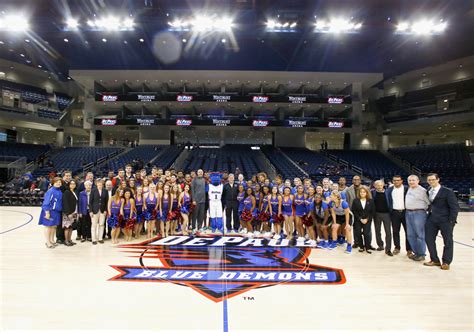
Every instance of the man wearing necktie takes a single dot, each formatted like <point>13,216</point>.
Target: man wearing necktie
<point>442,217</point>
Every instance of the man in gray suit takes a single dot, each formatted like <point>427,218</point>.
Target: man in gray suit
<point>198,192</point>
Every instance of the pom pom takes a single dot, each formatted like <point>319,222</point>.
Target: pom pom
<point>130,222</point>
<point>308,221</point>
<point>246,216</point>
<point>278,218</point>
<point>263,217</point>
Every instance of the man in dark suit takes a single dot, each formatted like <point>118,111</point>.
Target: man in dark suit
<point>382,216</point>
<point>442,216</point>
<point>229,201</point>
<point>396,203</point>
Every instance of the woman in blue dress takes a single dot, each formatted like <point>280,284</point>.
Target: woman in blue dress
<point>129,214</point>
<point>265,210</point>
<point>258,205</point>
<point>175,215</point>
<point>247,217</point>
<point>275,211</point>
<point>50,216</point>
<point>165,208</point>
<point>309,203</point>
<point>184,204</point>
<point>140,216</point>
<point>287,209</point>
<point>113,221</point>
<point>150,205</point>
<point>300,211</point>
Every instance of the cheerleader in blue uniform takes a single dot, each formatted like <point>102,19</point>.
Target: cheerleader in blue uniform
<point>240,198</point>
<point>258,201</point>
<point>265,210</point>
<point>129,214</point>
<point>174,209</point>
<point>140,216</point>
<point>323,222</point>
<point>247,216</point>
<point>275,211</point>
<point>150,204</point>
<point>50,216</point>
<point>165,208</point>
<point>309,203</point>
<point>184,204</point>
<point>288,211</point>
<point>113,210</point>
<point>300,211</point>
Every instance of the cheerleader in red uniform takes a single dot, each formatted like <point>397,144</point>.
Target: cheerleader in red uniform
<point>175,214</point>
<point>129,213</point>
<point>185,202</point>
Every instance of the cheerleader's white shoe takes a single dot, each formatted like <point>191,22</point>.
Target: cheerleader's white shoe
<point>256,233</point>
<point>267,235</point>
<point>300,239</point>
<point>277,237</point>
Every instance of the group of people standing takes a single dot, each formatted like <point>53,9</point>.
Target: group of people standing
<point>323,215</point>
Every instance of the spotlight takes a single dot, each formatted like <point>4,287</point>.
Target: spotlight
<point>223,40</point>
<point>422,27</point>
<point>66,40</point>
<point>104,40</point>
<point>276,26</point>
<point>337,25</point>
<point>112,23</point>
<point>202,23</point>
<point>72,24</point>
<point>142,40</point>
<point>15,23</point>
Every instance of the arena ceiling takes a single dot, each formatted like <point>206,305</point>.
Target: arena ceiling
<point>375,48</point>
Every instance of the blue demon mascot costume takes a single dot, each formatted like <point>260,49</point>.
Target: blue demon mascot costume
<point>214,190</point>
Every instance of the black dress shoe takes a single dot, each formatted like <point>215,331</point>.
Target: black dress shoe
<point>101,241</point>
<point>379,249</point>
<point>94,242</point>
<point>83,240</point>
<point>368,251</point>
<point>372,248</point>
<point>360,249</point>
<point>355,246</point>
<point>419,258</point>
<point>389,253</point>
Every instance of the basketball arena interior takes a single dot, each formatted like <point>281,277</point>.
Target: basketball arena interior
<point>236,165</point>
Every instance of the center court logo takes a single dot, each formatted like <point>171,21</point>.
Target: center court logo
<point>222,267</point>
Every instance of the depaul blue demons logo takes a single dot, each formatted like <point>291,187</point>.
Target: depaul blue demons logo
<point>221,267</point>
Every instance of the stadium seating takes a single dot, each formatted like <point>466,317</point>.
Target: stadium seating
<point>375,165</point>
<point>168,156</point>
<point>226,159</point>
<point>317,165</point>
<point>284,166</point>
<point>30,151</point>
<point>74,159</point>
<point>145,153</point>
<point>450,161</point>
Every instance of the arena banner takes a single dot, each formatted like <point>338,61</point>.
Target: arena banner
<point>221,267</point>
<point>223,122</point>
<point>221,98</point>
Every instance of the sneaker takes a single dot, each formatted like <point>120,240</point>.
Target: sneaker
<point>267,234</point>
<point>300,239</point>
<point>256,233</point>
<point>341,241</point>
<point>306,236</point>
<point>250,234</point>
<point>332,245</point>
<point>277,237</point>
<point>322,245</point>
<point>312,243</point>
<point>348,249</point>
